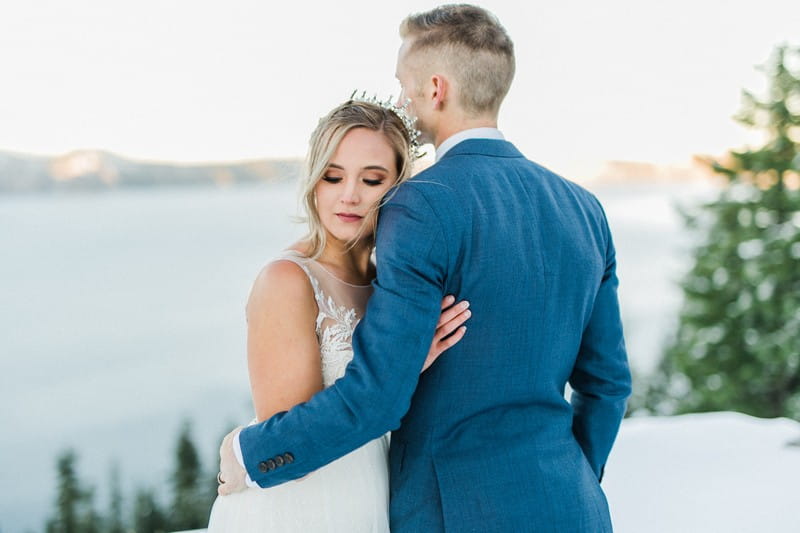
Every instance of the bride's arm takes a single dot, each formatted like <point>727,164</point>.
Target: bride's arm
<point>282,349</point>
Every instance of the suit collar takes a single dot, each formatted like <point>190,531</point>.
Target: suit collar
<point>486,147</point>
<point>463,135</point>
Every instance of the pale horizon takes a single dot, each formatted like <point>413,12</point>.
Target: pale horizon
<point>190,82</point>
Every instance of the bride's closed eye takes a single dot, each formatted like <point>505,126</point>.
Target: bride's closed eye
<point>372,182</point>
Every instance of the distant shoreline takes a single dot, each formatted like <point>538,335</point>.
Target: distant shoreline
<point>97,170</point>
<point>86,170</point>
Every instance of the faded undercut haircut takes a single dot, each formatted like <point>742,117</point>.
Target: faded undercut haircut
<point>472,45</point>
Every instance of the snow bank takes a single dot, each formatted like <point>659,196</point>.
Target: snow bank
<point>705,473</point>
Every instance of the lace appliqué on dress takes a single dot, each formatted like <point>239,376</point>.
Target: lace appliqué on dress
<point>335,338</point>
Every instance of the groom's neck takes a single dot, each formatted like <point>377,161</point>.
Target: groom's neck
<point>450,127</point>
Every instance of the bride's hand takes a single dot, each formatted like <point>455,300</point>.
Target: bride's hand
<point>452,318</point>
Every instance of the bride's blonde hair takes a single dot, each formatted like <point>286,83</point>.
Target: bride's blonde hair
<point>323,144</point>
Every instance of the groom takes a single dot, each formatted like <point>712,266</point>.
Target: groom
<point>484,440</point>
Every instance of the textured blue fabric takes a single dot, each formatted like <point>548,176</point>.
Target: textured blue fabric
<point>484,440</point>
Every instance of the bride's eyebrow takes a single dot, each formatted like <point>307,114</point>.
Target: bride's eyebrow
<point>369,167</point>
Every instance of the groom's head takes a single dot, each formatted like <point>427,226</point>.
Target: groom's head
<point>456,62</point>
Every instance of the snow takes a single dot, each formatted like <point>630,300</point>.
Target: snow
<point>705,473</point>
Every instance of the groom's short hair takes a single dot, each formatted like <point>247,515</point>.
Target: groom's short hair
<point>474,48</point>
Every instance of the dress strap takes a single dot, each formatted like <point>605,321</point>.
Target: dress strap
<point>338,302</point>
<point>303,262</point>
<point>296,258</point>
<point>319,295</point>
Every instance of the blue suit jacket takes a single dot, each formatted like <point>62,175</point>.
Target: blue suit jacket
<point>484,440</point>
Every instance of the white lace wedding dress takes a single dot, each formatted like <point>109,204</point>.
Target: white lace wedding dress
<point>350,494</point>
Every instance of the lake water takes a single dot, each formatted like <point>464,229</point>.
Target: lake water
<point>122,314</point>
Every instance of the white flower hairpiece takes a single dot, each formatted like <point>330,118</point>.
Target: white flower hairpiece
<point>402,112</point>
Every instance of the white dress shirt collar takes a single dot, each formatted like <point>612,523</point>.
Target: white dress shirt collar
<point>474,133</point>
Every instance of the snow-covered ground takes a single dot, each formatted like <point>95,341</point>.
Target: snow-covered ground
<point>705,473</point>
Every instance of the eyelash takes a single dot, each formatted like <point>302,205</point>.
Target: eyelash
<point>369,182</point>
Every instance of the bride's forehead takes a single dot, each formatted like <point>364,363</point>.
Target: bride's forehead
<point>363,143</point>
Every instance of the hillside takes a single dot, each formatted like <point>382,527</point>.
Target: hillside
<point>94,169</point>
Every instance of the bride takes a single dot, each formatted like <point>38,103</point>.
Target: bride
<point>301,314</point>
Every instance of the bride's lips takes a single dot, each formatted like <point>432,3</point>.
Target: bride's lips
<point>349,217</point>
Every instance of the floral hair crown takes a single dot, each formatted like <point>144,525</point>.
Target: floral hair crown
<point>402,113</point>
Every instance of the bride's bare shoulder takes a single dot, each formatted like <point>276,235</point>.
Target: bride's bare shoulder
<point>281,283</point>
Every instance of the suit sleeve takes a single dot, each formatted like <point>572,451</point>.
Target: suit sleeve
<point>601,380</point>
<point>390,346</point>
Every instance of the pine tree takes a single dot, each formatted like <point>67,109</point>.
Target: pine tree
<point>737,345</point>
<point>75,511</point>
<point>114,521</point>
<point>68,498</point>
<point>91,521</point>
<point>189,506</point>
<point>147,514</point>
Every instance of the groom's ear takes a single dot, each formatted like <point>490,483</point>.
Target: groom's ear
<point>440,90</point>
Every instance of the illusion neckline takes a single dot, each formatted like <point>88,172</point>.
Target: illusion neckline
<point>328,272</point>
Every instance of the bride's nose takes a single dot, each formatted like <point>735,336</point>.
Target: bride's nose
<point>350,193</point>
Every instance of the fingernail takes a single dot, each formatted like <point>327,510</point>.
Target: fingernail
<point>464,305</point>
<point>450,298</point>
<point>468,314</point>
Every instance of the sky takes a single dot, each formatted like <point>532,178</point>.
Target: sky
<point>195,80</point>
